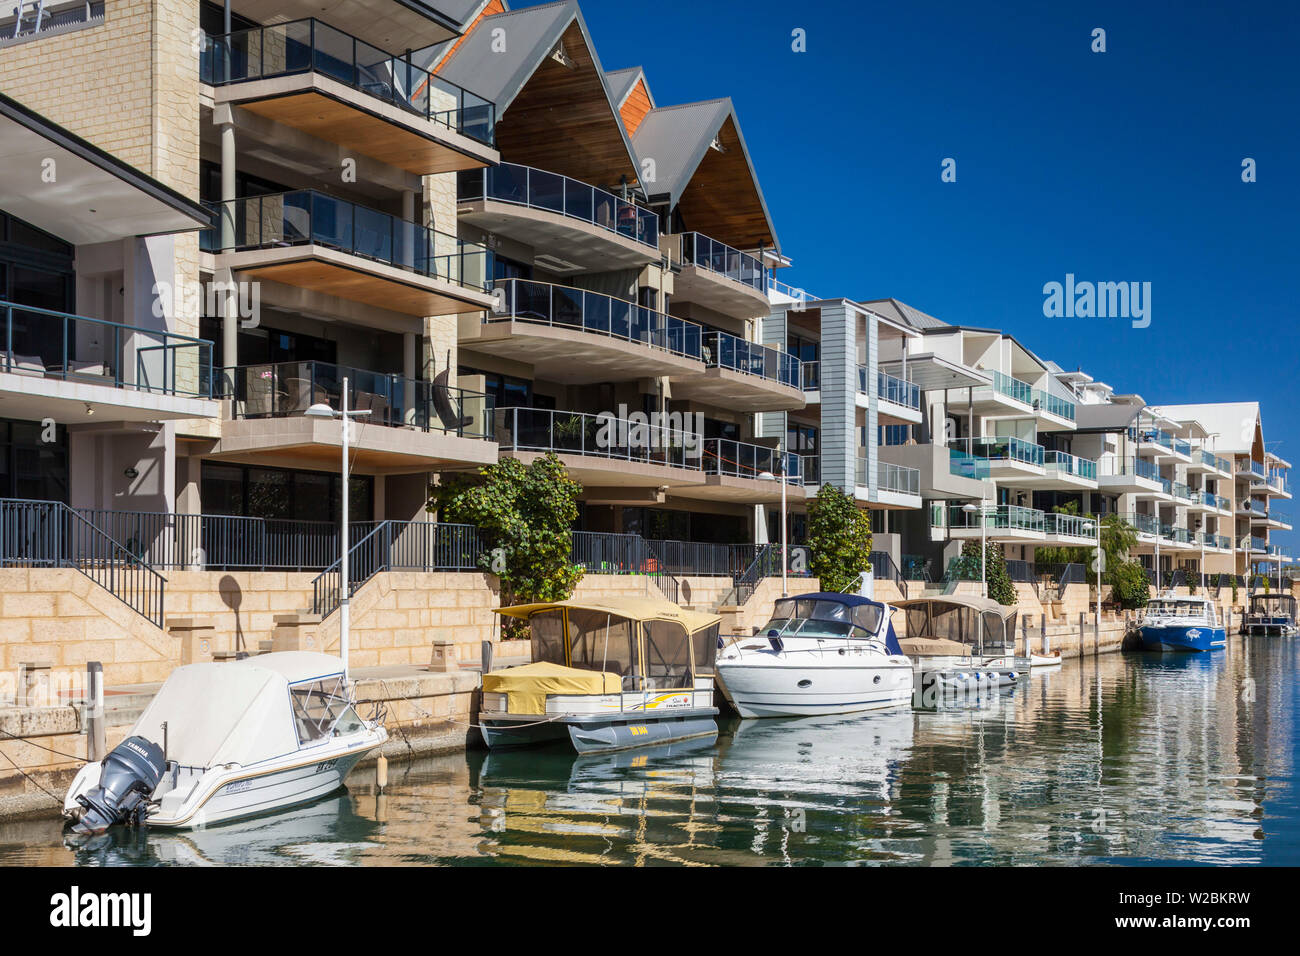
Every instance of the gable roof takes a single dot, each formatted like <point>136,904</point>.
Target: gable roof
<point>901,311</point>
<point>532,35</point>
<point>621,83</point>
<point>678,138</point>
<point>1232,423</point>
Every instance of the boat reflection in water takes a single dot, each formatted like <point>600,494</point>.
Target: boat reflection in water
<point>328,832</point>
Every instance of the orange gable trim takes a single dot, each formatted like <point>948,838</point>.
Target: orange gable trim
<point>635,107</point>
<point>491,10</point>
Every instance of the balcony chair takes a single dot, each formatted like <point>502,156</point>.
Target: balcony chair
<point>451,419</point>
<point>33,366</point>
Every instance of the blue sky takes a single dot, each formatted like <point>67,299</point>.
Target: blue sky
<point>1116,166</point>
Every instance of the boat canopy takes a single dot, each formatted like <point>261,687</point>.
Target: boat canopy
<point>650,644</point>
<point>1273,604</point>
<point>958,619</point>
<point>246,711</point>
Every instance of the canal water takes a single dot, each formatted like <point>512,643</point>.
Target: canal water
<point>1125,759</point>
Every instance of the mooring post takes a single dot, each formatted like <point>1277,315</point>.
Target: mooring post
<point>96,742</point>
<point>1096,637</point>
<point>1081,626</point>
<point>1024,630</point>
<point>1043,641</point>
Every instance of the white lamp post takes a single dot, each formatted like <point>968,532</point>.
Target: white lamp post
<point>970,508</point>
<point>321,410</point>
<point>1096,517</point>
<point>768,476</point>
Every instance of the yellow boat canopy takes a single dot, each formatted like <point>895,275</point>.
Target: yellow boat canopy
<point>526,687</point>
<point>635,609</point>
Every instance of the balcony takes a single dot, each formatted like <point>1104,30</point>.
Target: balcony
<point>591,229</point>
<point>1145,524</point>
<point>743,375</point>
<point>1053,411</point>
<point>22,23</point>
<point>721,278</point>
<point>67,367</point>
<point>1065,471</point>
<point>1209,463</point>
<point>1006,523</point>
<point>628,460</point>
<point>896,485</point>
<point>327,245</point>
<point>1069,529</point>
<point>1131,476</point>
<point>898,401</point>
<point>1161,445</point>
<point>1006,395</point>
<point>411,424</point>
<point>1010,459</point>
<point>1277,484</point>
<point>962,465</point>
<point>1183,494</point>
<point>312,77</point>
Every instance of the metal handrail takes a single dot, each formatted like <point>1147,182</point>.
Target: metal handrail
<point>553,192</point>
<point>312,46</point>
<point>722,259</point>
<point>723,350</point>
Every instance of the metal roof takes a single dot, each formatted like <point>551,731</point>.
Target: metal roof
<point>906,313</point>
<point>1105,417</point>
<point>621,83</point>
<point>1232,423</point>
<point>677,138</point>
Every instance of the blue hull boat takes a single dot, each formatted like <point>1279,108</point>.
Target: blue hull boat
<point>1182,638</point>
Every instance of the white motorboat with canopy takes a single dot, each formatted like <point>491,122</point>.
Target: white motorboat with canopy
<point>1271,614</point>
<point>228,740</point>
<point>606,675</point>
<point>824,653</point>
<point>959,640</point>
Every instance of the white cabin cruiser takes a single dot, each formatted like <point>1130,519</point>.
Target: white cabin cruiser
<point>824,653</point>
<point>961,643</point>
<point>224,741</point>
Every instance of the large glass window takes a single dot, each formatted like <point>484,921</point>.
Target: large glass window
<point>281,493</point>
<point>29,467</point>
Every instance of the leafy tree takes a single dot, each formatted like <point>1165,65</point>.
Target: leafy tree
<point>839,539</point>
<point>525,515</point>
<point>1129,583</point>
<point>1000,587</point>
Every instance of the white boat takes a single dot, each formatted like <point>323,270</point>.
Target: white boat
<point>825,653</point>
<point>961,643</point>
<point>606,675</point>
<point>1045,660</point>
<point>223,741</point>
<point>1271,614</point>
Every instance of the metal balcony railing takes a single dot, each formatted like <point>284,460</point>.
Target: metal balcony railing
<point>810,376</point>
<point>1072,526</point>
<point>39,343</point>
<point>27,19</point>
<point>1182,491</point>
<point>306,217</point>
<point>1129,467</point>
<point>1068,464</point>
<point>538,189</point>
<point>522,300</point>
<point>310,46</point>
<point>597,436</point>
<point>717,257</point>
<point>1001,517</point>
<point>1005,449</point>
<point>738,459</point>
<point>1144,523</point>
<point>1215,462</point>
<point>289,388</point>
<point>1012,387</point>
<point>897,390</point>
<point>49,534</point>
<point>722,350</point>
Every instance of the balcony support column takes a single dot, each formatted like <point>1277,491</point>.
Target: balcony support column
<point>408,372</point>
<point>223,116</point>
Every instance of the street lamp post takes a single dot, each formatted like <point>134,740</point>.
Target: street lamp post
<point>346,415</point>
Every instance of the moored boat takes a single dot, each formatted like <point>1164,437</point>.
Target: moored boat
<point>1271,614</point>
<point>230,740</point>
<point>606,675</point>
<point>824,653</point>
<point>961,643</point>
<point>1174,623</point>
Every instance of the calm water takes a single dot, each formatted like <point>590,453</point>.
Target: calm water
<point>1126,759</point>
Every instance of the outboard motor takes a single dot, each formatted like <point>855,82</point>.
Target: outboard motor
<point>128,777</point>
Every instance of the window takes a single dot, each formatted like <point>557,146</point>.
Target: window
<point>548,636</point>
<point>600,641</point>
<point>705,643</point>
<point>667,655</point>
<point>322,708</point>
<point>281,493</point>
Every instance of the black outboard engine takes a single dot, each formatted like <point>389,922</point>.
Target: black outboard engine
<point>128,777</point>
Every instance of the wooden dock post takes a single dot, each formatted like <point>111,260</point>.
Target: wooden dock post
<point>1081,626</point>
<point>1024,632</point>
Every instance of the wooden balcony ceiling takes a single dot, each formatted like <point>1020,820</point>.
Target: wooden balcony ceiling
<point>722,200</point>
<point>562,121</point>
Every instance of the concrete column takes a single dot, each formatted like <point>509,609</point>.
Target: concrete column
<point>407,248</point>
<point>408,370</point>
<point>230,304</point>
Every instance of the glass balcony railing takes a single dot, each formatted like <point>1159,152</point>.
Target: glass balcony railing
<point>738,459</point>
<point>812,468</point>
<point>307,217</point>
<point>1067,464</point>
<point>522,300</point>
<point>1152,436</point>
<point>1072,526</point>
<point>1222,503</point>
<point>964,465</point>
<point>699,250</point>
<point>1129,467</point>
<point>286,389</point>
<point>1012,387</point>
<point>1181,490</point>
<point>810,376</point>
<point>1258,544</point>
<point>1257,470</point>
<point>310,46</point>
<point>1214,461</point>
<point>40,343</point>
<point>1053,404</point>
<point>1006,449</point>
<point>897,390</point>
<point>1178,535</point>
<point>1144,523</point>
<point>597,436</point>
<point>1277,481</point>
<point>1001,517</point>
<point>722,350</point>
<point>897,478</point>
<point>537,189</point>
